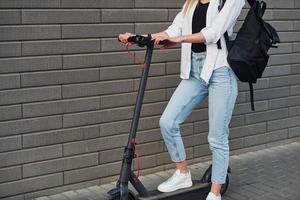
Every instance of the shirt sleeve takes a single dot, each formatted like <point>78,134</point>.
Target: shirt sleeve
<point>175,29</point>
<point>224,20</point>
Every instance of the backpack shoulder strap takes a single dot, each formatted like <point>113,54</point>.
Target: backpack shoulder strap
<point>251,96</point>
<point>251,2</point>
<point>221,4</point>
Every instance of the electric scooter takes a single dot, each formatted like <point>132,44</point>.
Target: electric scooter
<point>122,192</point>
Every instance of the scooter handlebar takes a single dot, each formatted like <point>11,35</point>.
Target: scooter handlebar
<point>142,40</point>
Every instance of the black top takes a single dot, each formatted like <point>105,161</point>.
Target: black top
<point>199,22</point>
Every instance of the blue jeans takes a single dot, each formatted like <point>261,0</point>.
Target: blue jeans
<point>223,90</point>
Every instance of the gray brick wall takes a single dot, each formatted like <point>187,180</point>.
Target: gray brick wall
<point>68,89</point>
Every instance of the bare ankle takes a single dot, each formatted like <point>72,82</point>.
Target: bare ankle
<point>216,188</point>
<point>182,166</point>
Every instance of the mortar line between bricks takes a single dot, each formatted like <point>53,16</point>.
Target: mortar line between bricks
<point>100,14</point>
<point>294,5</point>
<point>22,144</point>
<point>21,18</point>
<point>100,100</point>
<point>61,34</point>
<point>120,52</point>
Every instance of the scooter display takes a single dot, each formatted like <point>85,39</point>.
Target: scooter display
<point>122,192</point>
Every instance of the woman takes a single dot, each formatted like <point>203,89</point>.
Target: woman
<point>204,72</point>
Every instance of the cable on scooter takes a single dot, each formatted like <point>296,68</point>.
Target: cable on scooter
<point>141,41</point>
<point>135,58</point>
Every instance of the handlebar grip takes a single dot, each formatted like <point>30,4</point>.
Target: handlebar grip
<point>132,39</point>
<point>129,39</point>
<point>141,40</point>
<point>163,42</point>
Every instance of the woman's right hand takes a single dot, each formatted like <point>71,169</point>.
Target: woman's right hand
<point>159,37</point>
<point>124,38</point>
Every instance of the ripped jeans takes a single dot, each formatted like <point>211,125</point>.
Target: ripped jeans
<point>223,91</point>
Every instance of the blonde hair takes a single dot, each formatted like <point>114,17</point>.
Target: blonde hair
<point>187,5</point>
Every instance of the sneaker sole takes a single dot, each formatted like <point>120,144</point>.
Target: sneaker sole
<point>186,185</point>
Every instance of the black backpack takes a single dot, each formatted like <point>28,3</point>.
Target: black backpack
<point>248,53</point>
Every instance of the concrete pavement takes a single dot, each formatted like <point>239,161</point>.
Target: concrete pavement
<point>267,174</point>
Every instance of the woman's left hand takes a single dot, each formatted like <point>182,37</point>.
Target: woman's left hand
<point>172,41</point>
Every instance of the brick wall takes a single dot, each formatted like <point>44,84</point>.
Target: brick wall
<point>68,89</point>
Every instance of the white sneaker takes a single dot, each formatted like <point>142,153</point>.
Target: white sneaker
<point>212,196</point>
<point>177,181</point>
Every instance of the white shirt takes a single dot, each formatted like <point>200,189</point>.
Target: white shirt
<point>216,25</point>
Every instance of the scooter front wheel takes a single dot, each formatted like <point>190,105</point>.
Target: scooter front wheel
<point>117,196</point>
<point>131,196</point>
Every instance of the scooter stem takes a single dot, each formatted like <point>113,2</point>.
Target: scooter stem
<point>129,152</point>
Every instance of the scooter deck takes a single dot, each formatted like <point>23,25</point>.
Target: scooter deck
<point>197,189</point>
